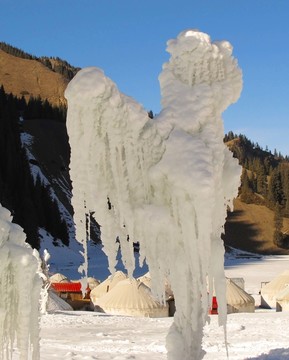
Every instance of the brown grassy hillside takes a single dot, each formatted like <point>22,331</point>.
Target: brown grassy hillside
<point>23,77</point>
<point>250,227</point>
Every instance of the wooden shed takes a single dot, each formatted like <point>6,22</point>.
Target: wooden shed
<point>72,294</point>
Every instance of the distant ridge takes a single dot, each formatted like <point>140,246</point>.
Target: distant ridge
<point>53,63</point>
<point>24,75</point>
<point>260,221</point>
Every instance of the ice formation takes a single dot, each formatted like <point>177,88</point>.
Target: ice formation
<point>43,271</point>
<point>20,287</point>
<point>165,182</point>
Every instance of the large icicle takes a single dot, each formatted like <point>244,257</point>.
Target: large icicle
<point>19,292</point>
<point>201,179</point>
<point>164,182</point>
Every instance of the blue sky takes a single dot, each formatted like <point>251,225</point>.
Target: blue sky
<point>127,39</point>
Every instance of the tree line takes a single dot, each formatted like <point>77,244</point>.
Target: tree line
<point>28,199</point>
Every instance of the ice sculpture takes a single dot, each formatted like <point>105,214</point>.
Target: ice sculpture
<point>165,182</point>
<point>20,287</point>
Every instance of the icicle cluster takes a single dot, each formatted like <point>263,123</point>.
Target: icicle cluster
<point>19,292</point>
<point>113,144</point>
<point>165,182</point>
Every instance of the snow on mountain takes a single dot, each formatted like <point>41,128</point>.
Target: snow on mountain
<point>27,142</point>
<point>67,260</point>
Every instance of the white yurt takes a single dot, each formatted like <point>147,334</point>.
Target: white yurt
<point>282,300</point>
<point>169,296</point>
<point>106,285</point>
<point>131,297</point>
<point>273,288</point>
<point>238,300</point>
<point>146,279</point>
<point>56,303</point>
<point>239,281</point>
<point>58,278</point>
<point>92,282</point>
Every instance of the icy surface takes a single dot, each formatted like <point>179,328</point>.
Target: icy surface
<point>19,292</point>
<point>165,182</point>
<point>257,336</point>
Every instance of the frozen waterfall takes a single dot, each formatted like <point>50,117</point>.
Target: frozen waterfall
<point>165,182</point>
<point>20,286</point>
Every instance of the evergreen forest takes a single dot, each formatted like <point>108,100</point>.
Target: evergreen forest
<point>29,201</point>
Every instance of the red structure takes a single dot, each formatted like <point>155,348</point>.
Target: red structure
<point>214,308</point>
<point>71,292</point>
<point>67,287</point>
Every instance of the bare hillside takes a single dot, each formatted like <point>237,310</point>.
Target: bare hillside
<point>250,227</point>
<point>23,77</point>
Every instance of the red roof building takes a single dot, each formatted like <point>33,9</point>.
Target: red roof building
<point>71,293</point>
<point>67,287</point>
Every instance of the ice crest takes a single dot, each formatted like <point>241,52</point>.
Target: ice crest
<point>165,182</point>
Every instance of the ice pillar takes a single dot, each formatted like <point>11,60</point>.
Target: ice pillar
<point>201,179</point>
<point>20,287</point>
<point>165,182</point>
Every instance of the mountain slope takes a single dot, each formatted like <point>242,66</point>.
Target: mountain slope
<point>24,77</point>
<point>251,227</point>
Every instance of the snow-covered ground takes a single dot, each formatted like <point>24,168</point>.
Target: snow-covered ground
<point>89,335</point>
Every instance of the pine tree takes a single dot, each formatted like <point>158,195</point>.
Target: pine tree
<point>278,224</point>
<point>275,191</point>
<point>246,192</point>
<point>261,180</point>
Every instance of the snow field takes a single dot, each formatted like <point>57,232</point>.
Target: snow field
<point>85,335</point>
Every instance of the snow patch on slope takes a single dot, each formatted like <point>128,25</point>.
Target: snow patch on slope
<point>37,173</point>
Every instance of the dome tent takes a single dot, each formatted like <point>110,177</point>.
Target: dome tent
<point>58,278</point>
<point>146,279</point>
<point>273,288</point>
<point>56,303</point>
<point>282,300</point>
<point>92,282</point>
<point>169,296</point>
<point>238,300</point>
<point>106,285</point>
<point>131,297</point>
